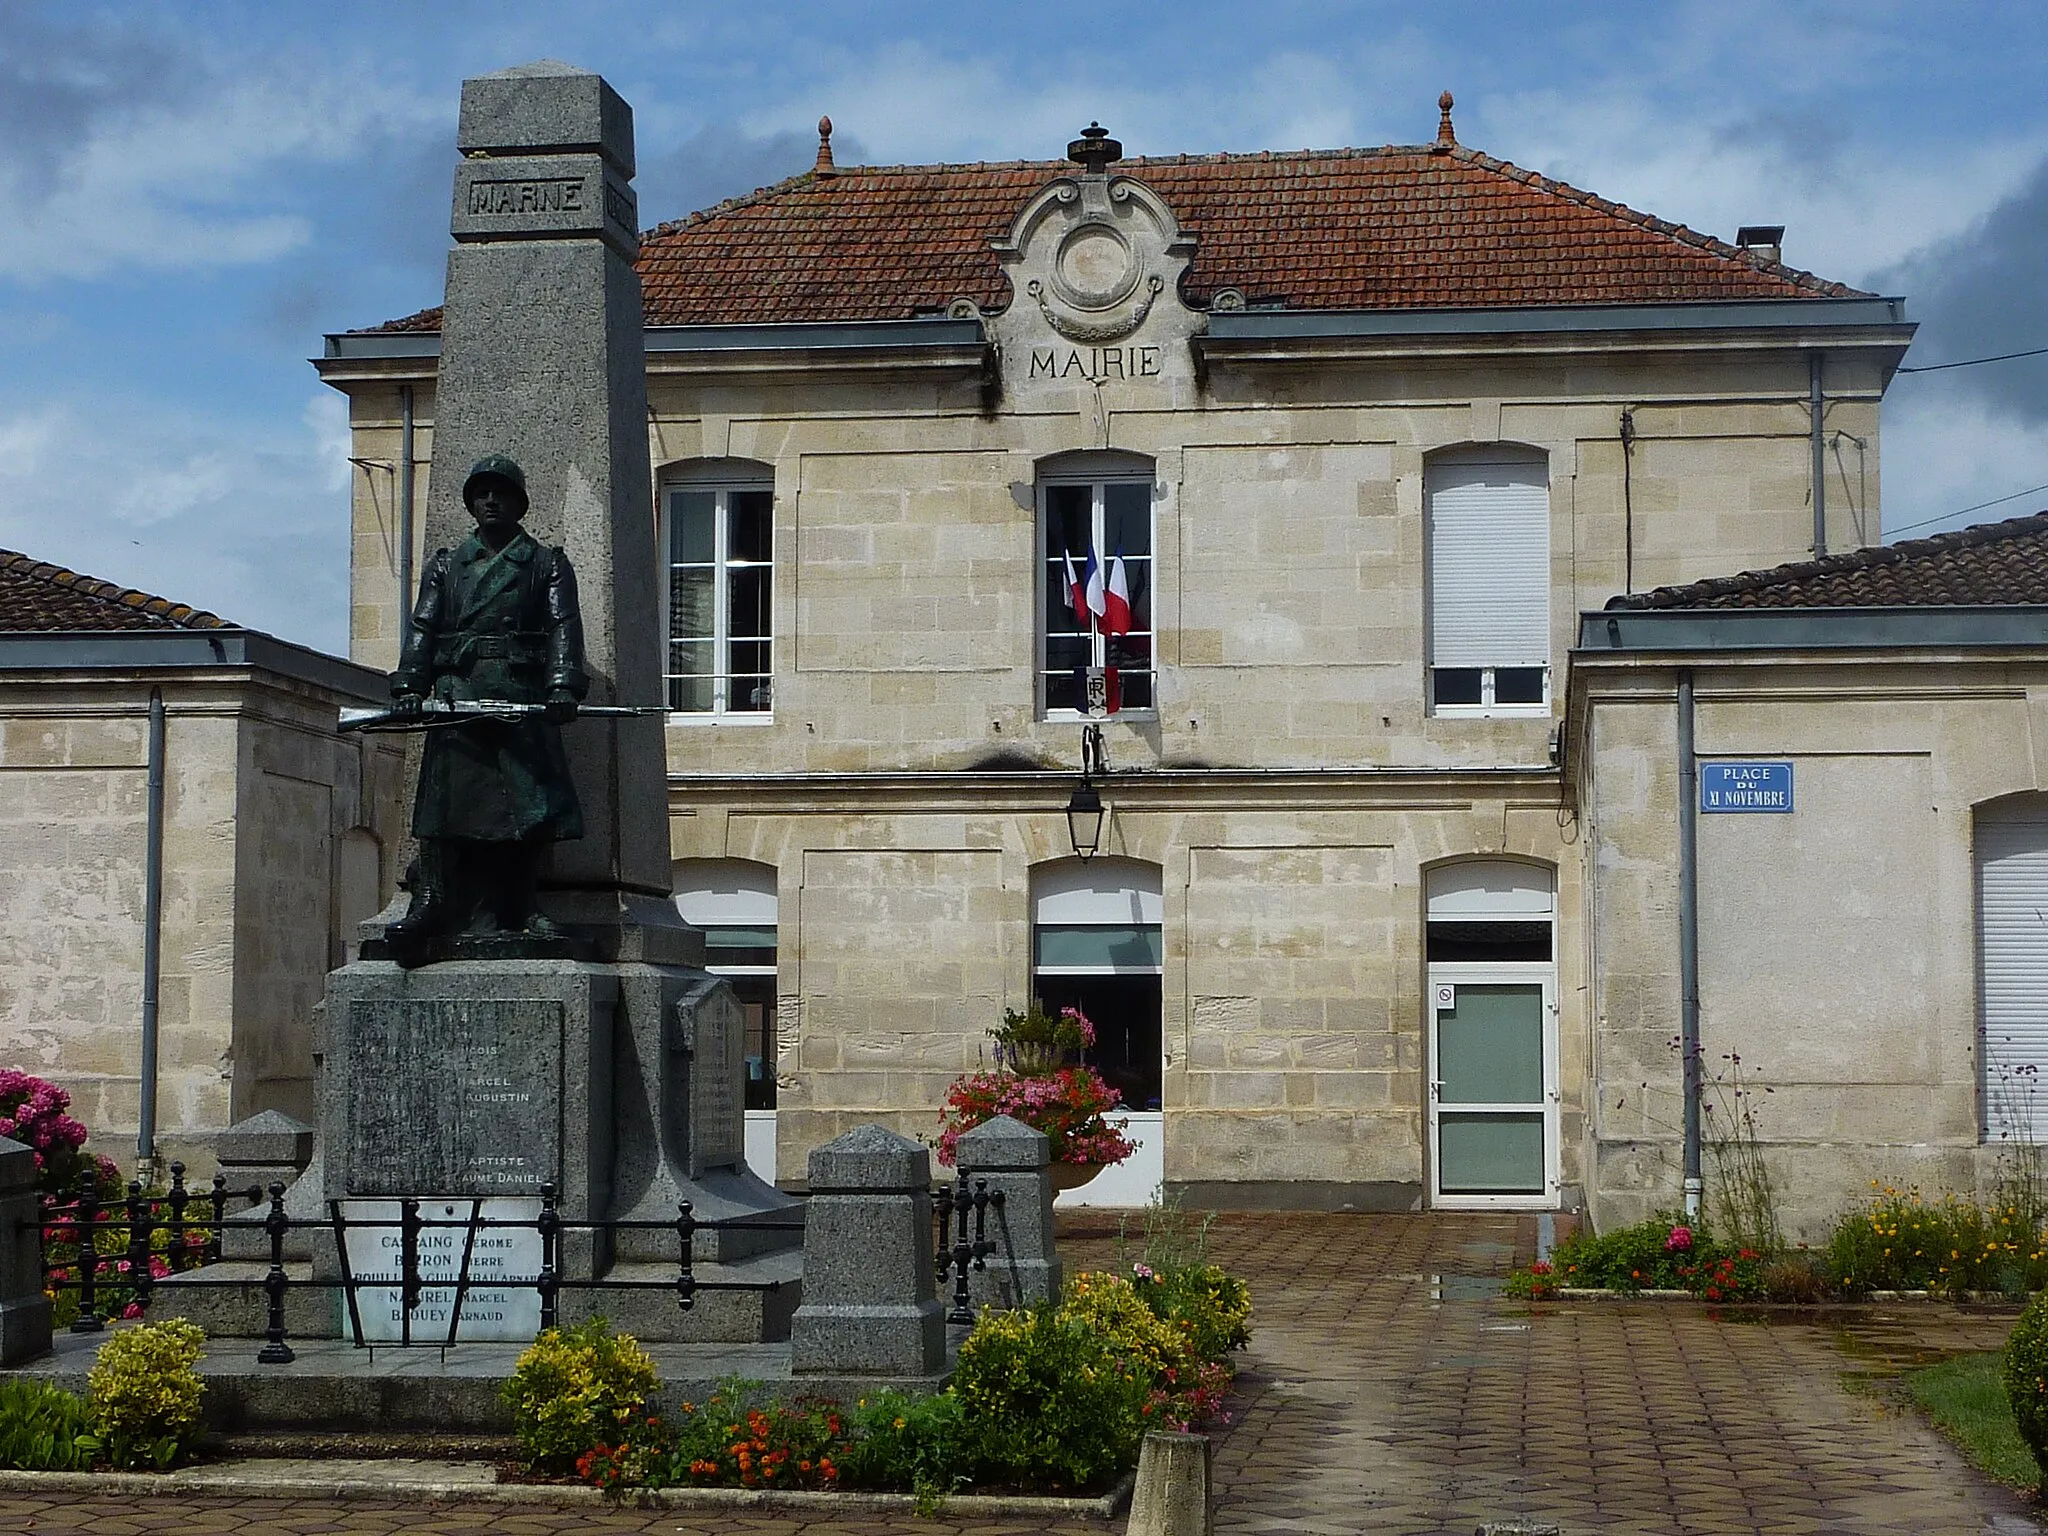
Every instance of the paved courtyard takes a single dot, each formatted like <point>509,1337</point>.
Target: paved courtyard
<point>1390,1389</point>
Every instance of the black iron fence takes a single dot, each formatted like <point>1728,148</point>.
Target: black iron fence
<point>194,1225</point>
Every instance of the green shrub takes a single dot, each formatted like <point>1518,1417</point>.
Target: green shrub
<point>576,1388</point>
<point>1052,1402</point>
<point>1113,1307</point>
<point>1645,1257</point>
<point>1214,1307</point>
<point>2026,1378</point>
<point>142,1395</point>
<point>924,1444</point>
<point>727,1441</point>
<point>1903,1242</point>
<point>39,1427</point>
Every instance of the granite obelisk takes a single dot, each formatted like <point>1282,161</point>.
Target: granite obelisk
<point>602,1063</point>
<point>543,358</point>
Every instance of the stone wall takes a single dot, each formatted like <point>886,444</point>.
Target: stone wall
<point>256,783</point>
<point>1838,945</point>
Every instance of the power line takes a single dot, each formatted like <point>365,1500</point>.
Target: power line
<point>1971,362</point>
<point>1944,517</point>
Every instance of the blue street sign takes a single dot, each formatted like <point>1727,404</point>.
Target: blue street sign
<point>1746,787</point>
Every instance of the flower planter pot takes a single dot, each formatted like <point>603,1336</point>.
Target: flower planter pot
<point>1067,1176</point>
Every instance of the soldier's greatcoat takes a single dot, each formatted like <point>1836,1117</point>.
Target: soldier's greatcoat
<point>496,624</point>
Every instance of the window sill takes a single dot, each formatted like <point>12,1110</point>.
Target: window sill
<point>1491,712</point>
<point>696,722</point>
<point>1075,717</point>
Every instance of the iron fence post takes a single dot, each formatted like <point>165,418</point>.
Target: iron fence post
<point>88,1319</point>
<point>220,1214</point>
<point>138,1242</point>
<point>275,1351</point>
<point>409,1266</point>
<point>686,1277</point>
<point>963,1254</point>
<point>179,1198</point>
<point>550,1283</point>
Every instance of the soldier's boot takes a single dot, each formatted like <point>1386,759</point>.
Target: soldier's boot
<point>518,909</point>
<point>432,912</point>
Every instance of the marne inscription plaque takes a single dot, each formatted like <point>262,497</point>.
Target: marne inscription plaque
<point>454,1098</point>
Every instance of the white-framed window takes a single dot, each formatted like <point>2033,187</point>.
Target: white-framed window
<point>734,902</point>
<point>1100,502</point>
<point>1487,510</point>
<point>1096,945</point>
<point>718,541</point>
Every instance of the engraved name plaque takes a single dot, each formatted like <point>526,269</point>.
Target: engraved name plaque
<point>454,1098</point>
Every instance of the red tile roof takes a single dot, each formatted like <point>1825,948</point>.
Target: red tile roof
<point>1988,565</point>
<point>38,597</point>
<point>1401,227</point>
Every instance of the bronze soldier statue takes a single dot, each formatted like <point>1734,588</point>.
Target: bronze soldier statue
<point>496,619</point>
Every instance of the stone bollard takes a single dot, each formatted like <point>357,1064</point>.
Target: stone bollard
<point>869,1306</point>
<point>1171,1497</point>
<point>1016,1162</point>
<point>257,1152</point>
<point>24,1309</point>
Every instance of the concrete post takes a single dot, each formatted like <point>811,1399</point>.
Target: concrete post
<point>1171,1497</point>
<point>869,1307</point>
<point>1015,1161</point>
<point>24,1309</point>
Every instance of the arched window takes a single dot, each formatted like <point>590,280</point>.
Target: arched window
<point>1096,513</point>
<point>1492,1012</point>
<point>733,901</point>
<point>718,535</point>
<point>1488,515</point>
<point>1096,946</point>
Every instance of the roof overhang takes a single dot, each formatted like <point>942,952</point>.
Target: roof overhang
<point>854,347</point>
<point>1251,338</point>
<point>1642,632</point>
<point>188,650</point>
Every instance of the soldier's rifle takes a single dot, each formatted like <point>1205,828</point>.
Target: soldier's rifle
<point>439,712</point>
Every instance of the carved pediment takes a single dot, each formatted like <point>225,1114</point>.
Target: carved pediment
<point>1094,252</point>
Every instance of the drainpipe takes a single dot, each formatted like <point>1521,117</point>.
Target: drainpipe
<point>1820,468</point>
<point>1689,940</point>
<point>405,472</point>
<point>152,926</point>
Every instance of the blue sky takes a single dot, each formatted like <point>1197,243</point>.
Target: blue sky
<point>195,192</point>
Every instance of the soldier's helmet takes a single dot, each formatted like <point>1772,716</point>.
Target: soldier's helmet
<point>496,466</point>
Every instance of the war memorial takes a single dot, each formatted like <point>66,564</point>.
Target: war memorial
<point>528,1087</point>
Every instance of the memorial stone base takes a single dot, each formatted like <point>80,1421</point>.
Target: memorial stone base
<point>477,1086</point>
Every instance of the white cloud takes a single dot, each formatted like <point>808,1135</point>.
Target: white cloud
<point>1943,454</point>
<point>326,417</point>
<point>230,513</point>
<point>206,179</point>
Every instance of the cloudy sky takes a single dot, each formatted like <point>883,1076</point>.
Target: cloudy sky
<point>196,191</point>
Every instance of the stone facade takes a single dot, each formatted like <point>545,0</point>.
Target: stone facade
<point>277,840</point>
<point>1293,788</point>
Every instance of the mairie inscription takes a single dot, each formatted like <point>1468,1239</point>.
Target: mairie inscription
<point>454,1097</point>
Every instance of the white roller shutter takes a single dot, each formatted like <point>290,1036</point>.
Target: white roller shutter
<point>1489,563</point>
<point>2012,883</point>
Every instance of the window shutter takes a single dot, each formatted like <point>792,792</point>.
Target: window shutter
<point>2012,863</point>
<point>1489,564</point>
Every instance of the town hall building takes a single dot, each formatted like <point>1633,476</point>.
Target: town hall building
<point>1383,910</point>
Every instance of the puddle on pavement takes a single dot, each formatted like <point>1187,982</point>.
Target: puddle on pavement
<point>1463,1287</point>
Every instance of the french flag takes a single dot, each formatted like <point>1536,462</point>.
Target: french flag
<point>1077,596</point>
<point>1091,579</point>
<point>1116,600</point>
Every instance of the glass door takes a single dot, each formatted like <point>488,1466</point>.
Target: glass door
<point>1493,1087</point>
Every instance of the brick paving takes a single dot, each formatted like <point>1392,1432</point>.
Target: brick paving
<point>1391,1390</point>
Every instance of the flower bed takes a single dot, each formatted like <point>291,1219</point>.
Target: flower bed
<point>1048,1399</point>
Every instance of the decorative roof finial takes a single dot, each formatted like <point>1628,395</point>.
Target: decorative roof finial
<point>1095,149</point>
<point>824,167</point>
<point>1446,136</point>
